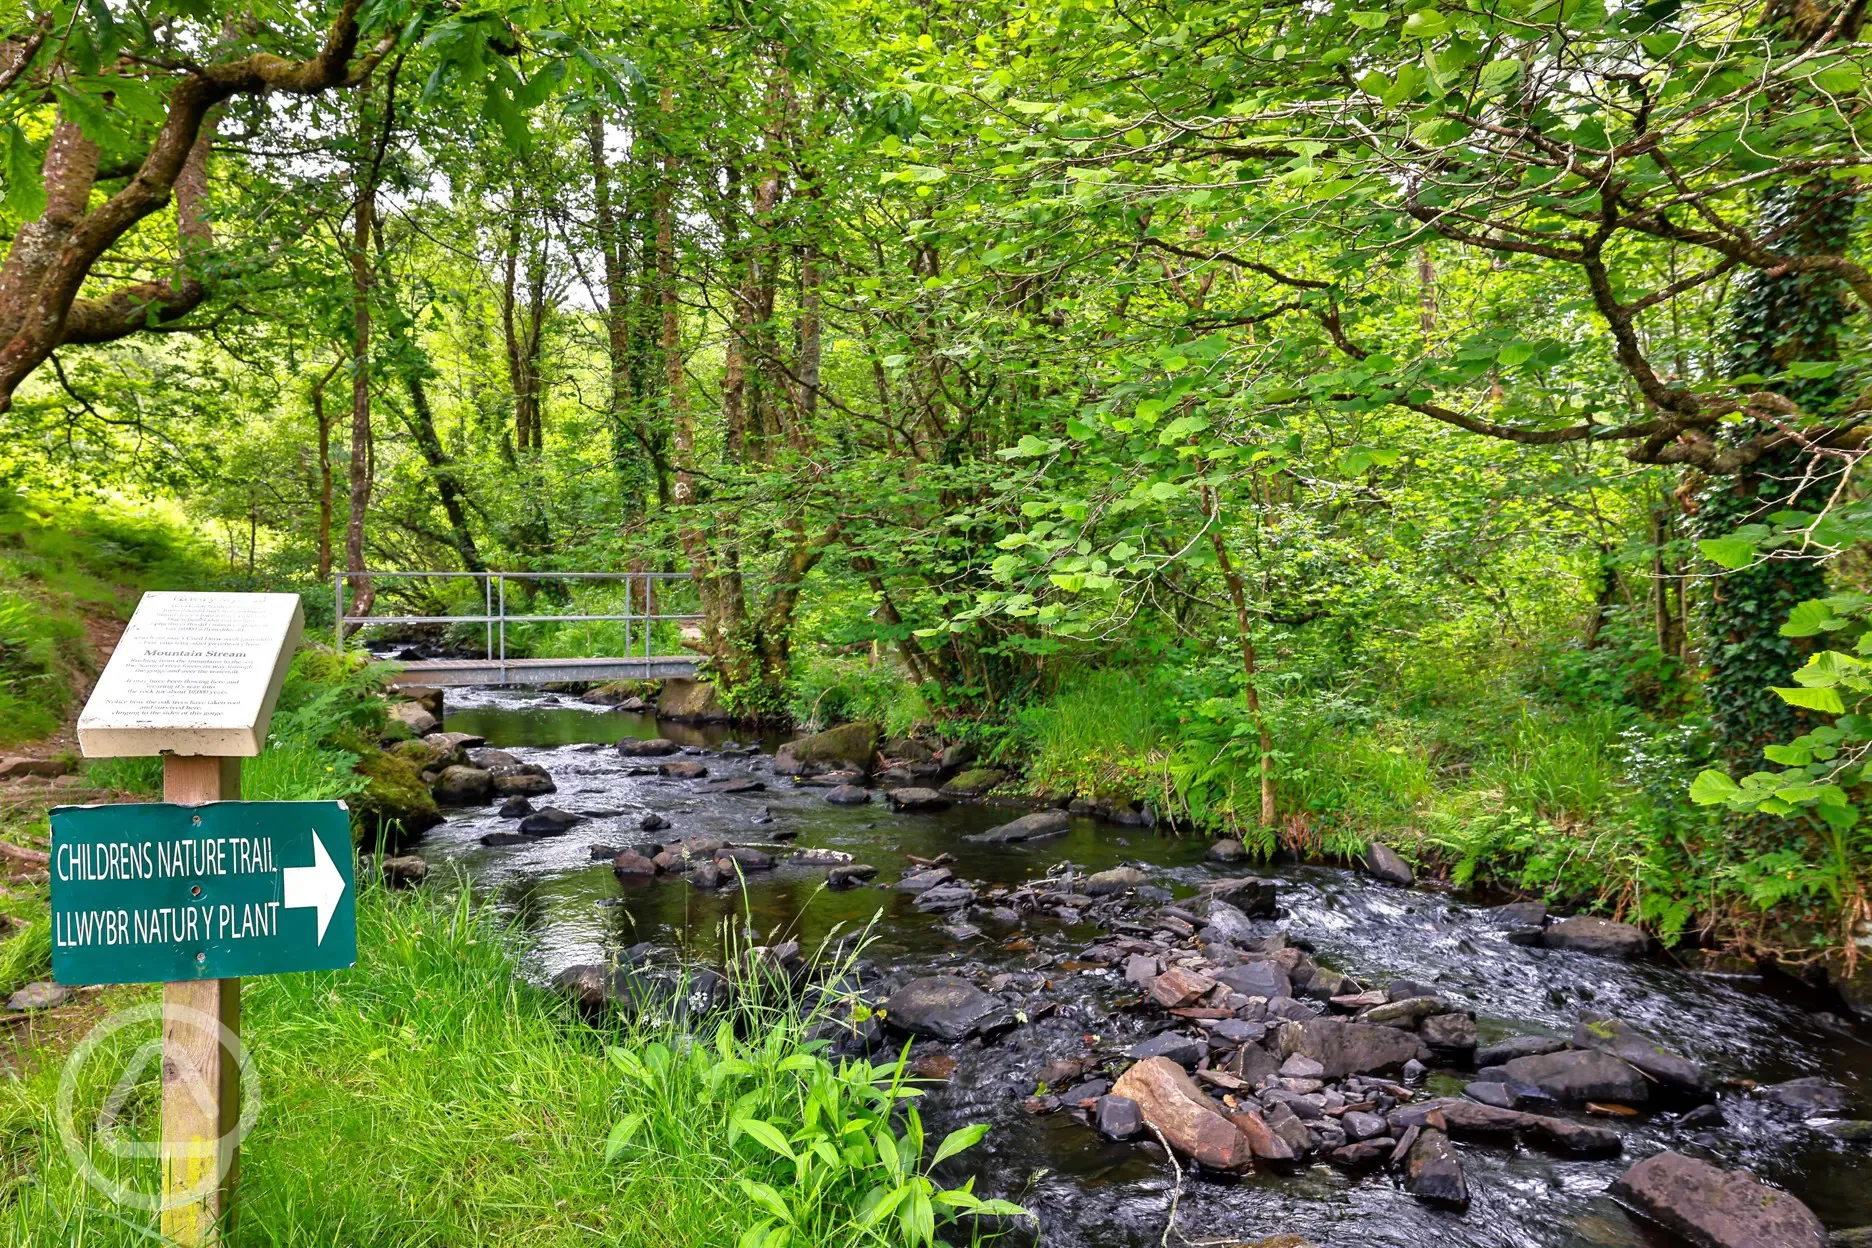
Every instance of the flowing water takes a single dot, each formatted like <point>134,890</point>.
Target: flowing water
<point>1089,1191</point>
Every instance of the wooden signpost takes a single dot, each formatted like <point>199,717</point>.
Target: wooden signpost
<point>201,888</point>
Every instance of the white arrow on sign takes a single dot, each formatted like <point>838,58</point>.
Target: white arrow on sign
<point>319,885</point>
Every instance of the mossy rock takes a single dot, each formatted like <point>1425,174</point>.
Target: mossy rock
<point>396,730</point>
<point>694,701</point>
<point>394,803</point>
<point>846,746</point>
<point>420,754</point>
<point>975,781</point>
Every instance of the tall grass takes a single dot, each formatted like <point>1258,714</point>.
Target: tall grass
<point>1106,732</point>
<point>429,1097</point>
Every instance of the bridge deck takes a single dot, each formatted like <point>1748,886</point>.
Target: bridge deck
<point>454,673</point>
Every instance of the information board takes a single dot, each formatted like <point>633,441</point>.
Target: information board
<point>193,674</point>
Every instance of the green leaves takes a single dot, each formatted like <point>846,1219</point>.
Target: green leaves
<point>25,188</point>
<point>1728,552</point>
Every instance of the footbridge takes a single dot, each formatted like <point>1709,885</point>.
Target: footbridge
<point>649,607</point>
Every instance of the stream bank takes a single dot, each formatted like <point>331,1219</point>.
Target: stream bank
<point>1037,942</point>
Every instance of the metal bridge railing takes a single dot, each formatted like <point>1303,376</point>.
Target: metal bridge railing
<point>494,610</point>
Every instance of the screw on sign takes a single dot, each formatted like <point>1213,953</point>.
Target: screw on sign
<point>200,889</point>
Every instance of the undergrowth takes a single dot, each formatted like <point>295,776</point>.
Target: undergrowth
<point>429,1097</point>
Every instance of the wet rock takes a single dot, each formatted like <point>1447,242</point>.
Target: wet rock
<point>1449,1035</point>
<point>1576,1076</point>
<point>912,801</point>
<point>515,808</point>
<point>507,840</point>
<point>1812,1096</point>
<point>848,747</point>
<point>1715,1208</point>
<point>1407,1012</point>
<point>455,743</point>
<point>945,897</point>
<point>1621,1040</point>
<point>463,786</point>
<point>741,784</point>
<point>1116,880</point>
<point>1433,1172</point>
<point>1252,896</point>
<point>1117,1117</point>
<point>632,865</point>
<point>523,780</point>
<point>1300,1066</point>
<point>747,859</point>
<point>1169,1101</point>
<point>1587,933</point>
<point>708,876</point>
<point>1256,979</point>
<point>1851,1131</point>
<point>1228,1033</point>
<point>1038,826</point>
<point>412,715</point>
<point>652,822</point>
<point>1185,1051</point>
<point>849,876</point>
<point>1363,1155</point>
<point>406,871</point>
<point>1229,925</point>
<point>551,821</point>
<point>646,747</point>
<point>1363,1126</point>
<point>1342,1048</point>
<point>974,782</point>
<point>941,1006</point>
<point>492,759</point>
<point>1141,969</point>
<point>848,795</point>
<point>1263,1142</point>
<point>1519,914</point>
<point>1516,1046</point>
<point>1384,863</point>
<point>39,995</point>
<point>1227,849</point>
<point>682,769</point>
<point>1177,987</point>
<point>831,780</point>
<point>928,878</point>
<point>1708,1114</point>
<point>1414,1071</point>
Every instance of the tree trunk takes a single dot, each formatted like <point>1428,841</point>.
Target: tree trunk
<point>1776,318</point>
<point>628,444</point>
<point>1238,597</point>
<point>322,418</point>
<point>363,593</point>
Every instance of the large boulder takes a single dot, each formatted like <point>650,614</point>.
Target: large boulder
<point>1621,1040</point>
<point>1254,897</point>
<point>1383,862</point>
<point>395,801</point>
<point>1170,1101</point>
<point>522,780</point>
<point>1343,1048</point>
<point>691,701</point>
<point>429,697</point>
<point>942,1006</point>
<point>1038,826</point>
<point>1466,1119</point>
<point>1588,933</point>
<point>1714,1208</point>
<point>463,786</point>
<point>1576,1076</point>
<point>848,747</point>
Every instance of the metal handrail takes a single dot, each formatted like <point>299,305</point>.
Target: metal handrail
<point>494,609</point>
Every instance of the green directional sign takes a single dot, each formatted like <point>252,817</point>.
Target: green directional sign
<point>154,892</point>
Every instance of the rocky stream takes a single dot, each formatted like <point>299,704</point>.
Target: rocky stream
<point>1327,1055</point>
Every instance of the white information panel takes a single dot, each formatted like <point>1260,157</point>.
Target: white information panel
<point>193,674</point>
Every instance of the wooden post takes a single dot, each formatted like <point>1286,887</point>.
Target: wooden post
<point>200,1077</point>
